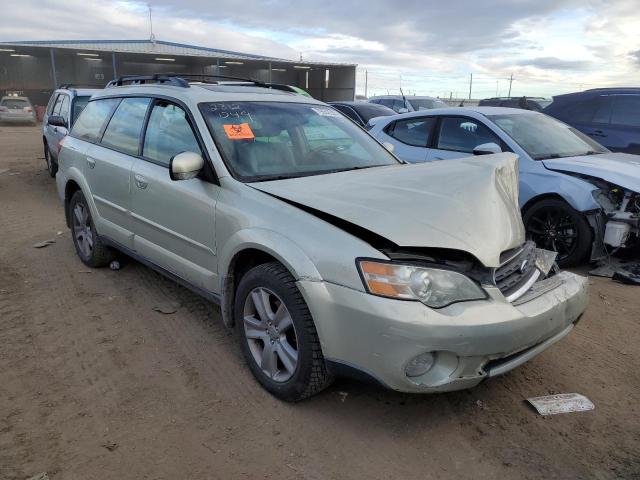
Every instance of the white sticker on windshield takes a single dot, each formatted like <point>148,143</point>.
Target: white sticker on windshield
<point>327,112</point>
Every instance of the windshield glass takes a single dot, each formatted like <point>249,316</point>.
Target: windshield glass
<point>542,137</point>
<point>78,105</point>
<point>426,103</point>
<point>268,140</point>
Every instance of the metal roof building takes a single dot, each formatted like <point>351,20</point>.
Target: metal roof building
<point>35,68</point>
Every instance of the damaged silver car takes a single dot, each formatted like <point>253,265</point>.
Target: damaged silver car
<point>328,255</point>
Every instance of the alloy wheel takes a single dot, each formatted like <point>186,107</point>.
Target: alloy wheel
<point>82,229</point>
<point>271,334</point>
<point>554,229</point>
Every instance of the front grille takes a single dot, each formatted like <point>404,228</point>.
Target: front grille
<point>517,271</point>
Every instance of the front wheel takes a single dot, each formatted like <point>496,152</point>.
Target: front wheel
<point>555,225</point>
<point>277,333</point>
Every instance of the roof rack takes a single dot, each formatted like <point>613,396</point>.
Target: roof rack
<point>176,79</point>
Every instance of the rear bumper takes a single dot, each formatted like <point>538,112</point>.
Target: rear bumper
<point>22,119</point>
<point>470,341</point>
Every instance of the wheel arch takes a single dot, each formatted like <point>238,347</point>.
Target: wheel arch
<point>252,247</point>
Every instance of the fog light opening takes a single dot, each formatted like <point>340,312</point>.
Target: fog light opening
<point>419,365</point>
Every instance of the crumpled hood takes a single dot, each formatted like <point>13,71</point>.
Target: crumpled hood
<point>468,204</point>
<point>622,169</point>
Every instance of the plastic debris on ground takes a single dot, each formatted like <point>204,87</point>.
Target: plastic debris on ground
<point>562,403</point>
<point>114,265</point>
<point>168,309</point>
<point>46,243</point>
<point>40,476</point>
<point>619,270</point>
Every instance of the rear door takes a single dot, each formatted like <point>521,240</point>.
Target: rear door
<point>62,109</point>
<point>591,116</point>
<point>107,167</point>
<point>624,129</point>
<point>410,138</point>
<point>458,136</point>
<point>173,221</point>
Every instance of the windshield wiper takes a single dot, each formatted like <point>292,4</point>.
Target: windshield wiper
<point>592,152</point>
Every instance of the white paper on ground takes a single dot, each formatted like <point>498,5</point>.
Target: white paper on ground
<point>562,403</point>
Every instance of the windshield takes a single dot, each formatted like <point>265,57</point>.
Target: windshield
<point>426,103</point>
<point>78,105</point>
<point>542,137</point>
<point>269,140</point>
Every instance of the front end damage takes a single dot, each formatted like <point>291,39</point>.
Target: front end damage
<point>617,224</point>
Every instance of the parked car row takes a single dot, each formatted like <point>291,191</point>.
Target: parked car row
<point>330,255</point>
<point>577,198</point>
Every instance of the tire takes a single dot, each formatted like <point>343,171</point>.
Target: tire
<point>52,167</point>
<point>275,287</point>
<point>89,247</point>
<point>554,225</point>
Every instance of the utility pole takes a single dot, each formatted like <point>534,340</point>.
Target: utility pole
<point>470,84</point>
<point>152,37</point>
<point>366,82</point>
<point>497,87</point>
<point>510,82</point>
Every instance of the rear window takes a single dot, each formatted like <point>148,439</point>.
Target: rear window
<point>14,104</point>
<point>79,104</point>
<point>92,119</point>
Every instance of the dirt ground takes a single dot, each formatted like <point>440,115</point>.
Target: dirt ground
<point>95,384</point>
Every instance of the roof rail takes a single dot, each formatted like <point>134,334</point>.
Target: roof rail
<point>162,78</point>
<point>79,85</point>
<point>223,77</point>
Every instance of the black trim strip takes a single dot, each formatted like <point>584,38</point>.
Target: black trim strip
<point>212,297</point>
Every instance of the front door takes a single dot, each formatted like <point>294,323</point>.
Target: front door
<point>458,136</point>
<point>173,221</point>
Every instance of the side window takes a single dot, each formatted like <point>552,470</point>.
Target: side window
<point>64,108</point>
<point>123,131</point>
<point>626,110</point>
<point>414,131</point>
<point>58,104</point>
<point>92,119</point>
<point>398,105</point>
<point>168,133</point>
<point>463,134</point>
<point>52,102</point>
<point>593,110</point>
<point>387,102</point>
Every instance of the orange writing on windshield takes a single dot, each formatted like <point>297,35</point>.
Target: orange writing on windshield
<point>239,132</point>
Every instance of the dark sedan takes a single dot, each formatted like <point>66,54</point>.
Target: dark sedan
<point>362,112</point>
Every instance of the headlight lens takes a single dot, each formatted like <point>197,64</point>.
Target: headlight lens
<point>434,287</point>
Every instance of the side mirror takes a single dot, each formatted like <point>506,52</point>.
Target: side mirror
<point>389,146</point>
<point>185,165</point>
<point>56,121</point>
<point>487,149</point>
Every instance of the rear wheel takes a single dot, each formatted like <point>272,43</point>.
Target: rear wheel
<point>277,333</point>
<point>52,166</point>
<point>89,247</point>
<point>555,225</point>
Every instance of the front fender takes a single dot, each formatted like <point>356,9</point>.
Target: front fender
<point>267,241</point>
<point>275,244</point>
<point>575,191</point>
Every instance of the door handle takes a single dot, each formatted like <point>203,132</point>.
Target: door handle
<point>438,158</point>
<point>140,181</point>
<point>91,162</point>
<point>598,133</point>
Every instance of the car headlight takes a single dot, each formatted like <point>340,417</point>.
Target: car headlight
<point>434,287</point>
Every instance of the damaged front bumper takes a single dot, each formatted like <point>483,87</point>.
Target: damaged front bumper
<point>468,341</point>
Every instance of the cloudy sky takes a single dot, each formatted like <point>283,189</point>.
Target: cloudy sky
<point>428,47</point>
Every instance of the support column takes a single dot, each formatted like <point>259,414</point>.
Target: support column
<point>53,68</point>
<point>270,80</point>
<point>113,65</point>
